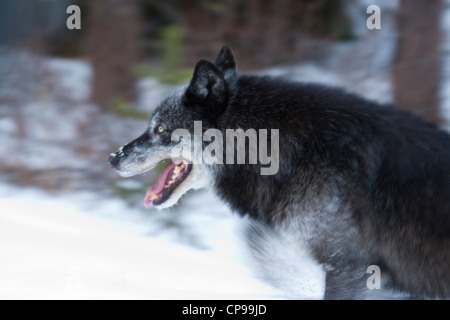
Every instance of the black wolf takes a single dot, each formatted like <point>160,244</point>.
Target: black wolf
<point>358,183</point>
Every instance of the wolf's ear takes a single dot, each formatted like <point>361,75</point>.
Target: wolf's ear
<point>207,84</point>
<point>225,60</point>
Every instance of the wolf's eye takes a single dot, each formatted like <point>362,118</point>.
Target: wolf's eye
<point>160,129</point>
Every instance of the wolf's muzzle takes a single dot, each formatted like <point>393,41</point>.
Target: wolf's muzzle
<point>114,160</point>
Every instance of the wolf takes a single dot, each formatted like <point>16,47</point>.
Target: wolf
<point>358,183</point>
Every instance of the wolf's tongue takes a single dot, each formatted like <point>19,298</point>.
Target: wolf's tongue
<point>159,185</point>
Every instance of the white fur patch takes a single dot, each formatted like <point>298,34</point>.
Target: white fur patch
<point>284,262</point>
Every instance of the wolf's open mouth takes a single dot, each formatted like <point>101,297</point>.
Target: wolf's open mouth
<point>172,175</point>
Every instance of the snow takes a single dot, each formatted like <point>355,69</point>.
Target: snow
<point>78,246</point>
<point>7,126</point>
<point>65,72</point>
<point>151,93</point>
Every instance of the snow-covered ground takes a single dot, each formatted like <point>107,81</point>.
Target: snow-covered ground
<point>80,246</point>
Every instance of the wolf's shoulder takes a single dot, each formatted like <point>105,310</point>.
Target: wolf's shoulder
<point>275,91</point>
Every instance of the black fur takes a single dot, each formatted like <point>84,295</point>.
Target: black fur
<point>390,167</point>
<point>385,174</point>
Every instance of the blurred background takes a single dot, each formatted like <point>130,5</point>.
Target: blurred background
<point>69,97</point>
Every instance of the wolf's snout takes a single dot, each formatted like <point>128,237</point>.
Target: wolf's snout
<point>114,160</point>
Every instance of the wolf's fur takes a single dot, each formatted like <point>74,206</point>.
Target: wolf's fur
<point>359,183</point>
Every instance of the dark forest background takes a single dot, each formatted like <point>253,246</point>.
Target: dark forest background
<point>127,38</point>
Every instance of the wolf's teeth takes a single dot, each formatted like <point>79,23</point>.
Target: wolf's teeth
<point>177,169</point>
<point>168,184</point>
<point>153,196</point>
<point>175,173</point>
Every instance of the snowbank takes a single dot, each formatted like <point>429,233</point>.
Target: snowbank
<point>53,247</point>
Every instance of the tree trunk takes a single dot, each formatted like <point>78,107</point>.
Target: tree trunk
<point>113,34</point>
<point>416,74</point>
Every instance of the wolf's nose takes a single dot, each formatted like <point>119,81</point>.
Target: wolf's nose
<point>113,160</point>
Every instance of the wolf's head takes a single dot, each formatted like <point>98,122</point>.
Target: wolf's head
<point>204,99</point>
